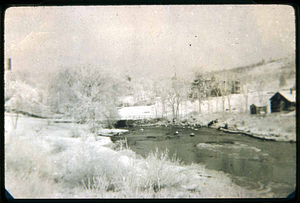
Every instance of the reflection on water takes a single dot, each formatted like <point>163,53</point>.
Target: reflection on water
<point>268,167</point>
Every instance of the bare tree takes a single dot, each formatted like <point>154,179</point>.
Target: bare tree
<point>161,92</point>
<point>230,82</point>
<point>228,94</point>
<point>208,93</point>
<point>226,90</point>
<point>245,94</point>
<point>260,85</point>
<point>199,89</point>
<point>223,93</point>
<point>215,89</point>
<point>176,94</point>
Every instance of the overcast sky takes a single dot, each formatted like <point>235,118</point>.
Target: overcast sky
<point>147,39</point>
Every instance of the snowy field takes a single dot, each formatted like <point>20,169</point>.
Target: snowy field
<point>213,105</point>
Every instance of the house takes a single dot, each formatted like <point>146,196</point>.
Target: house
<point>258,109</point>
<point>283,101</point>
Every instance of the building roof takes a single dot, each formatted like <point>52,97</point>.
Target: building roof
<point>287,95</point>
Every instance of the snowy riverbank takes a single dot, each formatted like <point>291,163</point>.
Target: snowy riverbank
<point>276,127</point>
<point>272,127</point>
<point>60,160</point>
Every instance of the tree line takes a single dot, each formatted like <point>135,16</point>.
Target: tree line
<point>93,94</point>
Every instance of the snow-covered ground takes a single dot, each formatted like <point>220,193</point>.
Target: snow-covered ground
<point>279,127</point>
<point>136,112</point>
<point>62,160</point>
<point>31,127</point>
<point>214,104</point>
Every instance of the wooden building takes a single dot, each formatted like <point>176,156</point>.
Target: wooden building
<point>258,109</point>
<point>283,101</point>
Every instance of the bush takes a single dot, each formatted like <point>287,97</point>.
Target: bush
<point>161,171</point>
<point>83,161</point>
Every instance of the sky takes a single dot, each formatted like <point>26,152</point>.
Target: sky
<point>140,41</point>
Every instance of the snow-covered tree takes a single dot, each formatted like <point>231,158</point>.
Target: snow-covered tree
<point>90,95</point>
<point>177,92</point>
<point>24,98</point>
<point>199,89</point>
<point>245,94</point>
<point>215,89</point>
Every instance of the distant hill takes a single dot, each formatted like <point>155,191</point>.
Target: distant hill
<point>268,73</point>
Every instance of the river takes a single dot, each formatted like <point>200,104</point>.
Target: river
<point>264,166</point>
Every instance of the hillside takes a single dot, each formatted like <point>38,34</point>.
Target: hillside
<point>266,72</point>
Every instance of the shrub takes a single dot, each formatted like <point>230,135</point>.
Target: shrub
<point>161,171</point>
<point>83,161</point>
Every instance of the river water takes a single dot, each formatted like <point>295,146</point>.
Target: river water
<point>264,166</point>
